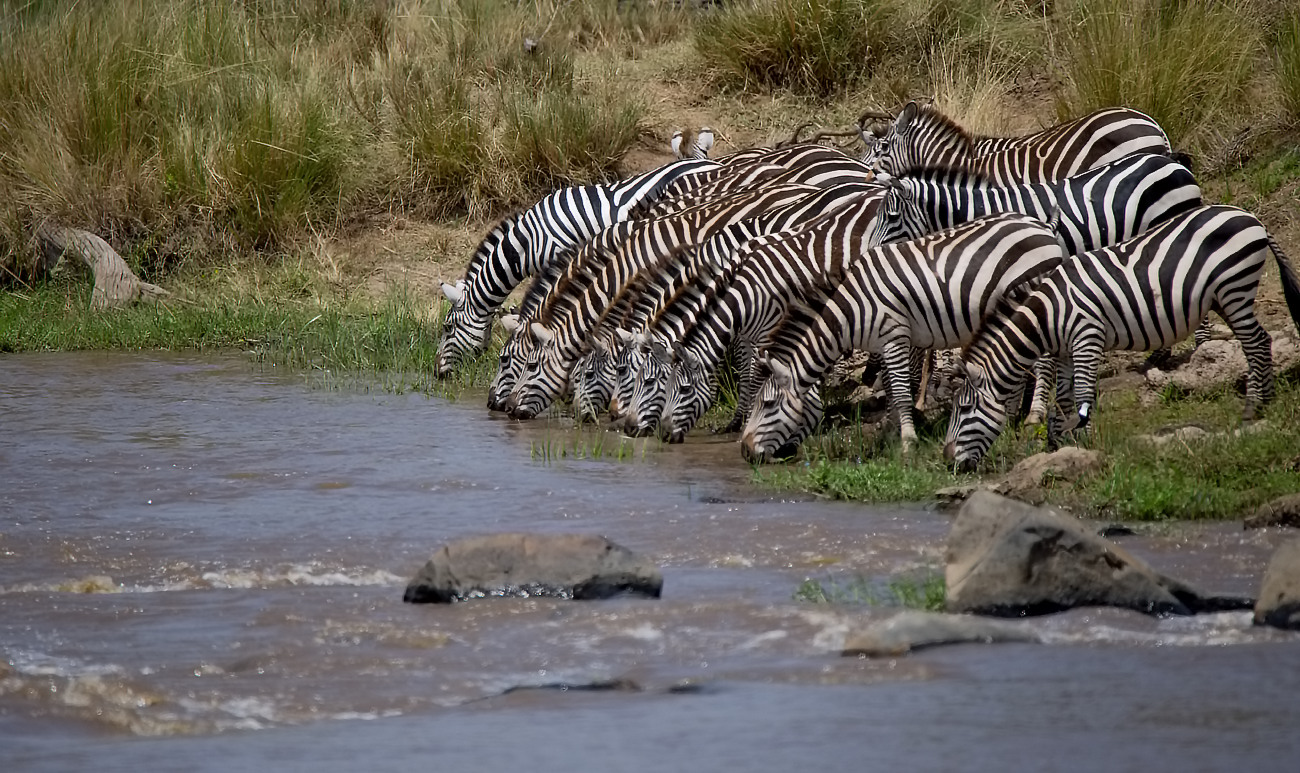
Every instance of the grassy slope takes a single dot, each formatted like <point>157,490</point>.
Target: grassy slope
<point>355,290</point>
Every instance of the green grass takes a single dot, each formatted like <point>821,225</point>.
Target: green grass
<point>259,125</point>
<point>1186,63</point>
<point>1225,476</point>
<point>924,591</point>
<point>1286,54</point>
<point>394,340</point>
<point>819,46</point>
<point>591,443</point>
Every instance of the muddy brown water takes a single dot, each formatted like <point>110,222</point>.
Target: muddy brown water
<point>202,564</point>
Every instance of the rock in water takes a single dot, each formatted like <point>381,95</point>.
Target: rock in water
<point>1283,511</point>
<point>911,630</point>
<point>1279,596</point>
<point>1008,558</point>
<point>576,566</point>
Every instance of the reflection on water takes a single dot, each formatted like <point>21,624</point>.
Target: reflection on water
<point>190,547</point>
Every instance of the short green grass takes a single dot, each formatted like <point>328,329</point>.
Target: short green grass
<point>1225,476</point>
<point>925,591</point>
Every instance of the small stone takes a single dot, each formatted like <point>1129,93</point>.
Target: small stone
<point>911,630</point>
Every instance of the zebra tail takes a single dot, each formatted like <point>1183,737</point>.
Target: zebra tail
<point>1290,281</point>
<point>1180,157</point>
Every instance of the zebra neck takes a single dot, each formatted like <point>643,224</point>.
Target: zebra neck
<point>1009,344</point>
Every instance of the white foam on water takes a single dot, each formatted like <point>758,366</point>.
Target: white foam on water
<point>1208,630</point>
<point>308,574</point>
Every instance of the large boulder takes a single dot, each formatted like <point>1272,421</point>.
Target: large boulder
<point>1279,595</point>
<point>910,630</point>
<point>1283,511</point>
<point>576,566</point>
<point>1007,558</point>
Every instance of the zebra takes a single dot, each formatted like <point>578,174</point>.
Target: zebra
<point>606,375</point>
<point>601,269</point>
<point>758,167</point>
<point>522,243</point>
<point>699,147</point>
<point>927,293</point>
<point>1145,293</point>
<point>676,385</point>
<point>1097,208</point>
<point>922,136</point>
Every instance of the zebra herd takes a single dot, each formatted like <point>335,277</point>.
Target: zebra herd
<point>1035,254</point>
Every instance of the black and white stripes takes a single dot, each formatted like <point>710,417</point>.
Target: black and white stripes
<point>1143,294</point>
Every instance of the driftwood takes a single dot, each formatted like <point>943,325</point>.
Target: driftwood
<point>115,284</point>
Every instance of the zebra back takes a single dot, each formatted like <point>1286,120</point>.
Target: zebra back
<point>923,136</point>
<point>523,242</point>
<point>1097,208</point>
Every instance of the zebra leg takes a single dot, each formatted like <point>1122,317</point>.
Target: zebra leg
<point>898,367</point>
<point>1044,375</point>
<point>1204,332</point>
<point>1056,418</point>
<point>1257,345</point>
<point>746,374</point>
<point>922,367</point>
<point>1085,358</point>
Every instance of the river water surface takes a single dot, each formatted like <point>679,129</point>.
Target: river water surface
<point>202,564</point>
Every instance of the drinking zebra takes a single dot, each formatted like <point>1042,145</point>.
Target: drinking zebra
<point>678,375</point>
<point>922,136</point>
<point>1145,293</point>
<point>608,372</point>
<point>600,270</point>
<point>929,293</point>
<point>521,244</point>
<point>1097,208</point>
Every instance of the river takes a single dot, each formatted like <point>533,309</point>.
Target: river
<point>202,562</point>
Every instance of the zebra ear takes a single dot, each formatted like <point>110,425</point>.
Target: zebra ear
<point>541,333</point>
<point>624,335</point>
<point>904,120</point>
<point>510,322</point>
<point>454,292</point>
<point>598,345</point>
<point>682,354</point>
<point>676,143</point>
<point>958,369</point>
<point>781,372</point>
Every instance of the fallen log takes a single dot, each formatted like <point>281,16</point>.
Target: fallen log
<point>115,284</point>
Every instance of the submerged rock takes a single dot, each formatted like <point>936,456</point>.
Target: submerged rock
<point>1279,595</point>
<point>1007,558</point>
<point>1283,511</point>
<point>576,566</point>
<point>911,630</point>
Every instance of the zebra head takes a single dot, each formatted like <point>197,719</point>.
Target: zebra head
<point>594,376</point>
<point>627,366</point>
<point>651,390</point>
<point>545,375</point>
<point>919,136</point>
<point>514,354</point>
<point>464,332</point>
<point>977,419</point>
<point>782,416</point>
<point>690,394</point>
<point>899,217</point>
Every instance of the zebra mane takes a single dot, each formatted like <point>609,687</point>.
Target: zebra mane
<point>945,174</point>
<point>798,318</point>
<point>495,235</point>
